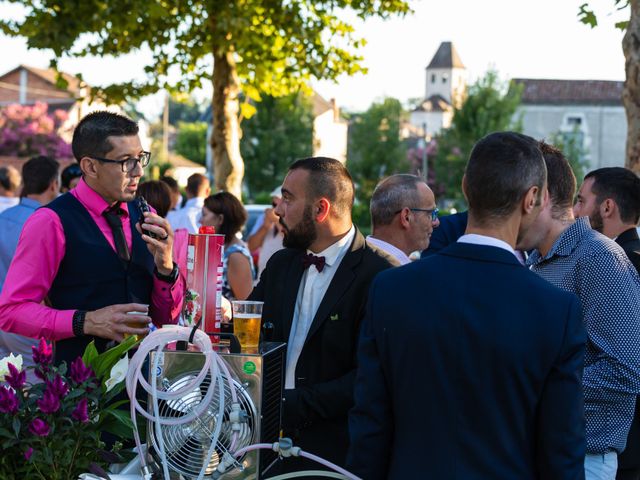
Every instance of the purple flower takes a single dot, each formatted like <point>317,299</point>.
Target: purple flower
<point>79,372</point>
<point>28,453</point>
<point>16,378</point>
<point>8,400</point>
<point>49,403</point>
<point>80,413</point>
<point>43,354</point>
<point>58,387</point>
<point>39,427</point>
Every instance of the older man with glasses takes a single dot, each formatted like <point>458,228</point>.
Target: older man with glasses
<point>92,254</point>
<point>403,216</point>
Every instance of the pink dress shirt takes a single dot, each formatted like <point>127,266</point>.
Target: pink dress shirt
<point>34,267</point>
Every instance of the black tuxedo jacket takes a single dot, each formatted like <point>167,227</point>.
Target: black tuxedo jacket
<point>469,367</point>
<point>315,412</point>
<point>630,457</point>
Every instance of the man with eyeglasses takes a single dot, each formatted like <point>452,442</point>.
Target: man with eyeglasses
<point>403,216</point>
<point>89,266</point>
<point>468,363</point>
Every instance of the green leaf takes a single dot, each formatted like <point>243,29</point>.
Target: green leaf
<point>247,110</point>
<point>623,25</point>
<point>587,16</point>
<point>117,422</point>
<point>103,363</point>
<point>16,426</point>
<point>90,353</point>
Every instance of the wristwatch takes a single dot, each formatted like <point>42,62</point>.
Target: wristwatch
<point>171,278</point>
<point>78,323</point>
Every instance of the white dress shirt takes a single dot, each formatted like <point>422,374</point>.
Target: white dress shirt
<point>188,216</point>
<point>313,287</point>
<point>476,239</point>
<point>390,249</point>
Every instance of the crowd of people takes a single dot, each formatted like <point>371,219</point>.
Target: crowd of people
<point>510,350</point>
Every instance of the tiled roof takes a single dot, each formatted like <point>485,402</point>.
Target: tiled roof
<point>446,57</point>
<point>567,92</point>
<point>435,103</point>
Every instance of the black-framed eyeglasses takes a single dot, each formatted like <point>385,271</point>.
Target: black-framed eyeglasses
<point>130,163</point>
<point>433,212</point>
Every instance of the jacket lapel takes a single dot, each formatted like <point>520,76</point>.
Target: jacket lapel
<point>292,284</point>
<point>340,282</point>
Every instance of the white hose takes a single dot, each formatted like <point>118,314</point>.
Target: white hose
<point>213,365</point>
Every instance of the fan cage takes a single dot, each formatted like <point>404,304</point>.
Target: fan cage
<point>187,445</point>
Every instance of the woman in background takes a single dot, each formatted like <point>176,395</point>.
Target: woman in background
<point>225,213</point>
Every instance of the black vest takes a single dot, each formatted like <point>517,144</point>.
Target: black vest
<point>91,275</point>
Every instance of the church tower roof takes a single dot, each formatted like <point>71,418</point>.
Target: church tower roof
<point>446,57</point>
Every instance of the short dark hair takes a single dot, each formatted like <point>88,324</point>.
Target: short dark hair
<point>69,173</point>
<point>561,180</point>
<point>157,194</point>
<point>10,178</point>
<point>37,175</point>
<point>171,183</point>
<point>195,183</point>
<point>233,211</point>
<point>502,167</point>
<point>620,184</point>
<point>328,178</point>
<point>393,194</point>
<point>91,136</point>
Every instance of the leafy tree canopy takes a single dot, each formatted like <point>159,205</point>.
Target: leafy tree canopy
<point>490,105</point>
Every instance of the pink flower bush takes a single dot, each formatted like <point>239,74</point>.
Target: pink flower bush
<point>28,130</point>
<point>8,401</point>
<point>39,427</point>
<point>79,372</point>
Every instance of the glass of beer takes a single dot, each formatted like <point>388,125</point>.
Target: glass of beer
<point>247,322</point>
<point>136,325</point>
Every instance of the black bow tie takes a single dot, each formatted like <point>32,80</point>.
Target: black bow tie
<point>310,259</point>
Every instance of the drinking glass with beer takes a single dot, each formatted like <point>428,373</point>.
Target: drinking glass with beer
<point>247,322</point>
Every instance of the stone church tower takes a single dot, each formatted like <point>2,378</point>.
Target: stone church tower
<point>445,87</point>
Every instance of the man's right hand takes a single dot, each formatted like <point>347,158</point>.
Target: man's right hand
<point>113,322</point>
<point>270,218</point>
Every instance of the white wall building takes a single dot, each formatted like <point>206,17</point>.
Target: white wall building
<point>592,110</point>
<point>330,130</point>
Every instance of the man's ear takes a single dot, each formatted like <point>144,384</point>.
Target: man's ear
<point>532,199</point>
<point>321,209</point>
<point>608,208</point>
<point>88,167</point>
<point>404,218</point>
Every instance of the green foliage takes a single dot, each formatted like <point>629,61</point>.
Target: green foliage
<point>184,110</point>
<point>191,141</point>
<point>279,45</point>
<point>587,16</point>
<point>490,106</point>
<point>280,132</point>
<point>572,146</point>
<point>375,151</point>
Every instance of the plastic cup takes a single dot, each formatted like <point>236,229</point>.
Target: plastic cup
<point>247,322</point>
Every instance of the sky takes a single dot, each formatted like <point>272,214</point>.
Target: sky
<point>518,38</point>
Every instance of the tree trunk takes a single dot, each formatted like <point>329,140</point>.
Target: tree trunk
<point>225,137</point>
<point>631,92</point>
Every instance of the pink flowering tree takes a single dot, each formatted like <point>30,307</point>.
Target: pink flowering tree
<point>52,430</point>
<point>29,130</point>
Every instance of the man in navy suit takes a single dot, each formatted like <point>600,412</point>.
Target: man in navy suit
<point>487,386</point>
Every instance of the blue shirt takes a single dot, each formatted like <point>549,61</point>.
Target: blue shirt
<point>11,222</point>
<point>598,271</point>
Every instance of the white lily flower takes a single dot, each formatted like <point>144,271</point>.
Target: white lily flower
<point>118,373</point>
<point>16,361</point>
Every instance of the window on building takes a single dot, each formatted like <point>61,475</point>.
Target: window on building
<point>445,77</point>
<point>433,78</point>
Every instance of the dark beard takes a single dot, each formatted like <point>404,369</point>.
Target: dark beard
<point>302,235</point>
<point>595,219</point>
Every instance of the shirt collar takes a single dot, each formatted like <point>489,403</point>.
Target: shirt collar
<point>476,239</point>
<point>565,244</point>
<point>389,248</point>
<point>333,252</point>
<point>194,202</point>
<point>30,203</point>
<point>93,201</point>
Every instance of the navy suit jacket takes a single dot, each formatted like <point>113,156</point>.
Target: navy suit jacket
<point>486,386</point>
